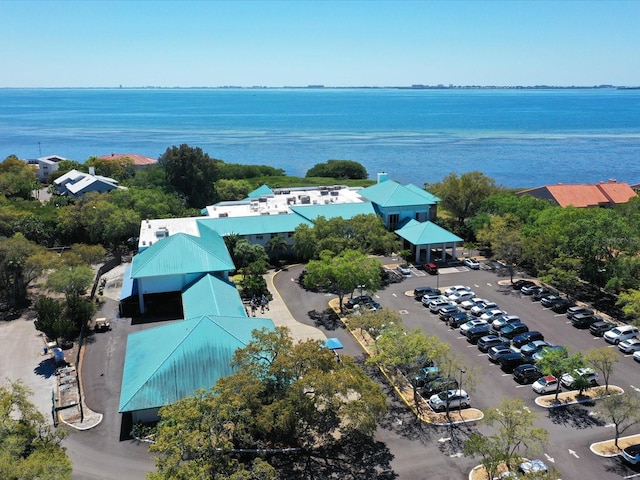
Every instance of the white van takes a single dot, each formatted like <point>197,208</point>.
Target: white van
<point>623,332</point>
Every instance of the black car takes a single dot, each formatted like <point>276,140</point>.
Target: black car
<point>562,305</point>
<point>526,373</point>
<point>420,292</point>
<point>540,293</point>
<point>476,333</point>
<point>585,320</point>
<point>488,341</point>
<point>513,329</point>
<point>521,340</point>
<point>352,302</point>
<point>509,361</point>
<point>577,310</point>
<point>517,285</point>
<point>599,328</point>
<point>439,384</point>
<point>458,319</point>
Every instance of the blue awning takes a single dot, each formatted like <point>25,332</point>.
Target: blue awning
<point>129,285</point>
<point>333,344</point>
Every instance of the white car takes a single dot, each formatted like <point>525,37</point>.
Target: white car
<point>483,307</point>
<point>547,384</point>
<point>630,345</point>
<point>472,323</point>
<point>461,296</point>
<point>492,314</point>
<point>456,399</point>
<point>472,302</point>
<point>620,333</point>
<point>568,380</point>
<point>636,356</point>
<point>533,466</point>
<point>404,269</point>
<point>456,288</point>
<point>472,263</point>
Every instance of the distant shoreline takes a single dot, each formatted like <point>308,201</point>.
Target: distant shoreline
<point>363,87</point>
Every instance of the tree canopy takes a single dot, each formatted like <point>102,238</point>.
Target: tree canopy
<point>289,404</point>
<point>339,169</point>
<point>17,178</point>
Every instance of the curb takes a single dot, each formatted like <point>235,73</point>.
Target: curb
<point>593,446</point>
<point>538,400</point>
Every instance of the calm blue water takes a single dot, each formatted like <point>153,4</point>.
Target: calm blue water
<point>518,137</point>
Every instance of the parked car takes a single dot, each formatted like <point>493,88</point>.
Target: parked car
<point>439,384</point>
<point>352,302</point>
<point>636,356</point>
<point>456,288</point>
<point>455,399</point>
<point>472,302</point>
<point>447,311</point>
<point>526,373</point>
<point>520,340</point>
<point>459,319</point>
<point>632,454</point>
<point>598,329</point>
<point>528,350</point>
<point>431,268</point>
<point>620,333</point>
<point>630,345</point>
<point>533,467</point>
<point>578,309</point>
<point>546,384</point>
<point>545,351</point>
<point>585,320</point>
<point>562,305</point>
<point>488,341</point>
<point>509,361</point>
<point>483,307</point>
<point>518,284</point>
<point>529,289</point>
<point>472,263</point>
<point>472,323</point>
<point>568,380</point>
<point>372,306</point>
<point>501,322</point>
<point>429,297</point>
<point>513,329</point>
<point>548,301</point>
<point>461,296</point>
<point>540,293</point>
<point>420,292</point>
<point>494,353</point>
<point>435,305</point>
<point>476,333</point>
<point>404,269</point>
<point>492,314</point>
<point>428,373</point>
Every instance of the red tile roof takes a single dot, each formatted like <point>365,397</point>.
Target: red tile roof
<point>138,160</point>
<point>584,195</point>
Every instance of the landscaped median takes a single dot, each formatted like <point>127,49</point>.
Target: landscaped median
<point>403,387</point>
<point>574,397</point>
<point>607,448</point>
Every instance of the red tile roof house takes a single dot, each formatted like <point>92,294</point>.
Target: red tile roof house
<point>139,161</point>
<point>603,194</point>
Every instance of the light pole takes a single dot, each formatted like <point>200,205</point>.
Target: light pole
<point>462,371</point>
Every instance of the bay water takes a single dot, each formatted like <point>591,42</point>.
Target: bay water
<point>520,137</point>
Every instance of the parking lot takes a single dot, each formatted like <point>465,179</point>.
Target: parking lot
<point>572,429</point>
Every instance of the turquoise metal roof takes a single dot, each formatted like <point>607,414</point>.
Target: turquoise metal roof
<point>426,233</point>
<point>165,364</point>
<point>392,194</point>
<point>182,254</point>
<point>211,295</point>
<point>261,191</point>
<point>344,210</point>
<point>254,225</point>
<point>421,191</point>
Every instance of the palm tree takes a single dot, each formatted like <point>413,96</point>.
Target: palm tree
<point>276,245</point>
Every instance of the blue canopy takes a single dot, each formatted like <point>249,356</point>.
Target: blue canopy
<point>333,344</point>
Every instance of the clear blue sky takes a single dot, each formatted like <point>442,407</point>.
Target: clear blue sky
<point>334,43</point>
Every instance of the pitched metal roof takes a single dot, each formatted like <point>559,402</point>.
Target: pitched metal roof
<point>426,233</point>
<point>181,254</point>
<point>185,356</point>
<point>211,295</point>
<point>391,194</point>
<point>262,190</point>
<point>344,210</point>
<point>256,225</point>
<point>430,198</point>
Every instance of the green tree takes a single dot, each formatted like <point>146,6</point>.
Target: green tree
<point>621,410</point>
<point>232,189</point>
<point>276,246</point>
<point>603,360</point>
<point>559,362</point>
<point>17,178</point>
<point>21,262</point>
<point>515,429</point>
<point>119,169</point>
<point>375,323</point>
<point>304,242</point>
<point>563,272</point>
<point>503,234</point>
<point>462,196</point>
<point>31,448</point>
<point>192,173</point>
<point>49,319</point>
<point>342,274</point>
<point>630,303</point>
<point>489,448</point>
<point>340,169</point>
<point>74,281</point>
<point>282,396</point>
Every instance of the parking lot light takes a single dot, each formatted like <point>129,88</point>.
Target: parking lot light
<point>462,371</point>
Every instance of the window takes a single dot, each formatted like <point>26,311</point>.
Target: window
<point>394,218</point>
